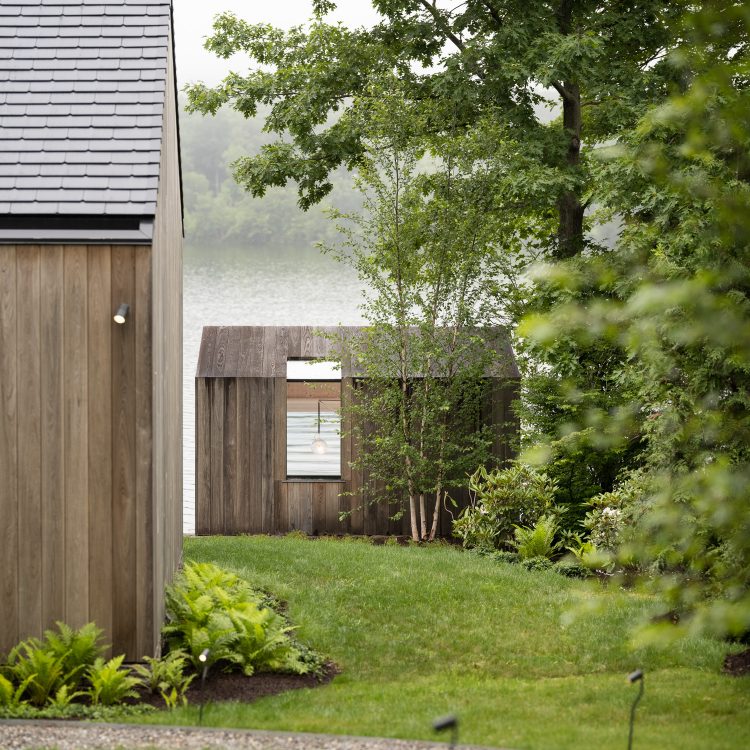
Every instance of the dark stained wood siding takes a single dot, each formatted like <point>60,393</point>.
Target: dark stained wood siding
<point>241,482</point>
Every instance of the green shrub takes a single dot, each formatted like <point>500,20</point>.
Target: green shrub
<point>212,609</point>
<point>616,514</point>
<point>500,500</point>
<point>537,541</point>
<point>571,568</point>
<point>537,563</point>
<point>111,682</point>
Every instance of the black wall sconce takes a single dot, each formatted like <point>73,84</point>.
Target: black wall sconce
<point>122,313</point>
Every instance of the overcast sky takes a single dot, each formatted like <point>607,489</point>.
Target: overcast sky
<point>192,20</point>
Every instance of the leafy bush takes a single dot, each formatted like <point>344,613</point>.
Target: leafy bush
<point>537,563</point>
<point>571,568</point>
<point>616,514</point>
<point>111,682</point>
<point>500,500</point>
<point>537,541</point>
<point>215,610</point>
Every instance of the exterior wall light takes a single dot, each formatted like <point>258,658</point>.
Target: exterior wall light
<point>122,313</point>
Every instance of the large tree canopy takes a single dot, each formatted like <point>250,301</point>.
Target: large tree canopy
<point>492,66</point>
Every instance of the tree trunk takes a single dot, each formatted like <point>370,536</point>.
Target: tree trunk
<point>569,206</point>
<point>413,518</point>
<point>422,518</point>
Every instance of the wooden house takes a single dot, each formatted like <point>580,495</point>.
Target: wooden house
<point>90,401</point>
<point>247,403</point>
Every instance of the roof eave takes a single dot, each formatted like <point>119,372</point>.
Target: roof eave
<point>141,235</point>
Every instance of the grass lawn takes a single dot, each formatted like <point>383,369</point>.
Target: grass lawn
<point>421,632</point>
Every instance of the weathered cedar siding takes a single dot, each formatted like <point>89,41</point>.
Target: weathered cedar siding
<point>70,496</point>
<point>166,529</point>
<point>241,482</point>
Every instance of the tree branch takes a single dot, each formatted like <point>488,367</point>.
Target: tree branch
<point>493,12</point>
<point>435,13</point>
<point>564,93</point>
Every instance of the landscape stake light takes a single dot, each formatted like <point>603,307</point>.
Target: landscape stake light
<point>636,676</point>
<point>447,722</point>
<point>203,659</point>
<point>122,313</point>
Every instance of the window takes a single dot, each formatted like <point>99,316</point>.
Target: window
<point>313,419</point>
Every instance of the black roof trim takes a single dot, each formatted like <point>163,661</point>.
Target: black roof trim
<point>75,228</point>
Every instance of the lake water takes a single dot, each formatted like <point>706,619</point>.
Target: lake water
<point>240,286</point>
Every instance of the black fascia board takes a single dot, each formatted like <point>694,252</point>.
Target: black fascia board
<point>68,228</point>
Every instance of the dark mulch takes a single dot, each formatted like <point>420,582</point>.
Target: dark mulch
<point>738,664</point>
<point>221,686</point>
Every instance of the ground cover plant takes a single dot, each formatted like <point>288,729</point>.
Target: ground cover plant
<point>420,631</point>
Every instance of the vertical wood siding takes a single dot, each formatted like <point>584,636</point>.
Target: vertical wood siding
<point>70,495</point>
<point>162,534</point>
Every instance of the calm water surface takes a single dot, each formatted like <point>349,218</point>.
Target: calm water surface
<point>240,286</point>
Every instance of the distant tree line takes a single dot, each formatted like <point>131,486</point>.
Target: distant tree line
<point>218,210</point>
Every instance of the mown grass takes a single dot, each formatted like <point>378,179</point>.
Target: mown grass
<point>420,632</point>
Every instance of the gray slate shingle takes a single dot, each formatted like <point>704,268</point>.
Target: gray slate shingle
<point>82,86</point>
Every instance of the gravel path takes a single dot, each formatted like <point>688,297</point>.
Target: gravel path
<point>66,735</point>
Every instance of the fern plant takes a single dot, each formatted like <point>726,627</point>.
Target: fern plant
<point>41,670</point>
<point>110,682</point>
<point>78,650</point>
<point>214,610</point>
<point>10,695</point>
<point>167,677</point>
<point>537,541</point>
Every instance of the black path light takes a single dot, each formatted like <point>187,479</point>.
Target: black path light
<point>203,659</point>
<point>636,676</point>
<point>447,722</point>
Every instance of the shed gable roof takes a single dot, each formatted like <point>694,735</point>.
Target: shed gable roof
<point>263,351</point>
<point>82,87</point>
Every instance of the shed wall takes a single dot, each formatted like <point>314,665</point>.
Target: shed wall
<point>75,420</point>
<point>165,531</point>
<point>241,482</point>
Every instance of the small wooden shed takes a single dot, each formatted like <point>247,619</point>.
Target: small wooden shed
<point>90,410</point>
<point>243,482</point>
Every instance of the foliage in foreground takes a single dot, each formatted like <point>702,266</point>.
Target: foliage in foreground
<point>675,298</point>
<point>215,617</point>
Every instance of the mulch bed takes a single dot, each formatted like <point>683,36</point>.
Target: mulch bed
<point>738,664</point>
<point>221,686</point>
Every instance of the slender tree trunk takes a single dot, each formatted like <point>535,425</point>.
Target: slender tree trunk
<point>422,518</point>
<point>438,486</point>
<point>569,206</point>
